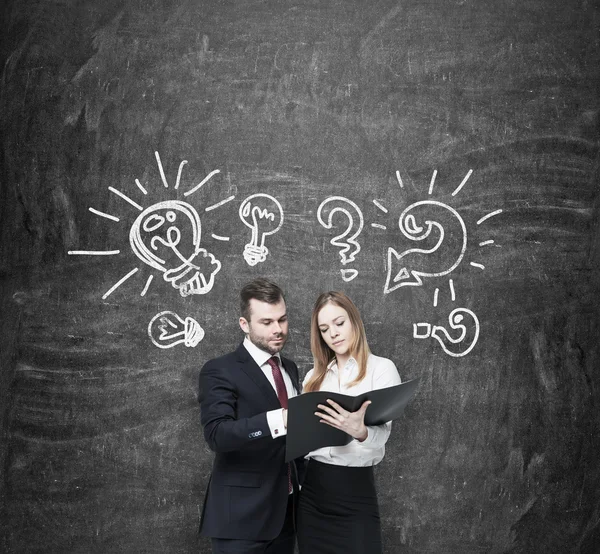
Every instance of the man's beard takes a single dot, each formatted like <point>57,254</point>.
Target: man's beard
<point>264,344</point>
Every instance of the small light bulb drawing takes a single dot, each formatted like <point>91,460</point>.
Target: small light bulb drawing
<point>166,330</point>
<point>453,346</point>
<point>264,216</point>
<point>157,239</point>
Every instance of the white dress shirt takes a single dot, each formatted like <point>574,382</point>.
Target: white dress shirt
<point>381,373</point>
<point>274,417</point>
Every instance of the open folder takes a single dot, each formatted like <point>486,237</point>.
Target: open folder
<point>306,433</point>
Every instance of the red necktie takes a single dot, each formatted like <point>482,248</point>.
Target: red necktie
<point>283,398</point>
<point>279,383</point>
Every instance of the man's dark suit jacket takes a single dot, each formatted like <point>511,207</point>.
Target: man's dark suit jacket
<point>248,491</point>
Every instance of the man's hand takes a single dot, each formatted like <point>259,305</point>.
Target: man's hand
<point>352,423</point>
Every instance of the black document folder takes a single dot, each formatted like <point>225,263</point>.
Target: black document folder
<point>306,433</point>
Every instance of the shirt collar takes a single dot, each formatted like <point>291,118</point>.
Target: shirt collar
<point>258,355</point>
<point>332,365</point>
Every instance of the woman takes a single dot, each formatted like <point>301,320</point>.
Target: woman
<point>338,510</point>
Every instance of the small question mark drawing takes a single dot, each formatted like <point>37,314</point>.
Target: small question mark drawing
<point>400,267</point>
<point>347,239</point>
<point>446,340</point>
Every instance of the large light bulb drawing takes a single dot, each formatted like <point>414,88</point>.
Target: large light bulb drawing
<point>156,238</point>
<point>264,216</point>
<point>167,329</point>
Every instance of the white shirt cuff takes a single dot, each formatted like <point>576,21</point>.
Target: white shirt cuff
<point>275,423</point>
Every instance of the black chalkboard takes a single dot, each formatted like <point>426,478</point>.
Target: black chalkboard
<point>453,144</point>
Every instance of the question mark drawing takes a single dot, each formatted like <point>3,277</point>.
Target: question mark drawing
<point>400,272</point>
<point>446,340</point>
<point>347,239</point>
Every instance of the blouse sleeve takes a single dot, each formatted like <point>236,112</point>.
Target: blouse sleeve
<point>306,378</point>
<point>385,375</point>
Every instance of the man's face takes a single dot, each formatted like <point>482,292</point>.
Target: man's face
<point>268,325</point>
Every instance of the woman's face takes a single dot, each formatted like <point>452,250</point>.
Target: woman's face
<point>336,328</point>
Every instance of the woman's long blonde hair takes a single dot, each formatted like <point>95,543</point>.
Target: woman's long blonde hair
<point>322,354</point>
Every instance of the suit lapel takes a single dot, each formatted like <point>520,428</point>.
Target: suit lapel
<point>251,369</point>
<point>292,371</point>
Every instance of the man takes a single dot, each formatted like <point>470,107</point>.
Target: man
<point>249,504</point>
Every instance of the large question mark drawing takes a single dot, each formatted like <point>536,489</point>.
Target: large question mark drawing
<point>347,239</point>
<point>264,216</point>
<point>446,340</point>
<point>400,272</point>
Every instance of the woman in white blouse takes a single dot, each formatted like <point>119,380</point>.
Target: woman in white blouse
<point>338,510</point>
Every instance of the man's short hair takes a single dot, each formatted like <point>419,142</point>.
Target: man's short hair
<point>260,289</point>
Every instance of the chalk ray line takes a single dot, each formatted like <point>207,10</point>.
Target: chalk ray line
<point>452,293</point>
<point>183,162</point>
<point>202,183</point>
<point>488,216</point>
<point>143,293</point>
<point>380,206</point>
<point>480,266</point>
<point>162,171</point>
<point>139,185</point>
<point>399,179</point>
<point>125,197</point>
<point>93,252</point>
<point>119,283</point>
<point>486,242</point>
<point>378,226</point>
<point>219,204</point>
<point>435,298</point>
<point>217,237</point>
<point>432,181</point>
<point>463,183</point>
<point>103,214</point>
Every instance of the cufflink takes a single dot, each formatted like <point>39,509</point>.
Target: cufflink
<point>277,431</point>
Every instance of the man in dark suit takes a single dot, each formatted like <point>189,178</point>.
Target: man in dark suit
<point>249,504</point>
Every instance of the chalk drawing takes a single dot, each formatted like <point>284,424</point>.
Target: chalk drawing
<point>352,223</point>
<point>448,342</point>
<point>399,273</point>
<point>264,216</point>
<point>463,183</point>
<point>166,236</point>
<point>201,183</point>
<point>166,330</point>
<point>104,214</point>
<point>492,214</point>
<point>399,179</point>
<point>119,283</point>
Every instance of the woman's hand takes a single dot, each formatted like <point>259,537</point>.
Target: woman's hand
<point>352,423</point>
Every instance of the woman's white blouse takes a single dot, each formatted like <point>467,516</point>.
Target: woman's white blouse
<point>381,373</point>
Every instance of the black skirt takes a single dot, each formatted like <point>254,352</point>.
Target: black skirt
<point>338,511</point>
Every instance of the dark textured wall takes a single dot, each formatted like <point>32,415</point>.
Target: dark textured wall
<point>101,447</point>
